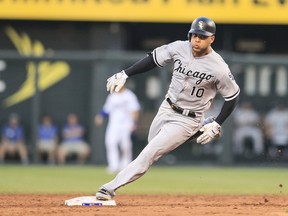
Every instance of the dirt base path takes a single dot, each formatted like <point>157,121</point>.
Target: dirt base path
<point>150,205</point>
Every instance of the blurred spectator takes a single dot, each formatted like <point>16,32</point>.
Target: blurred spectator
<point>73,142</point>
<point>276,128</point>
<point>13,140</point>
<point>247,130</point>
<point>47,139</point>
<point>123,111</point>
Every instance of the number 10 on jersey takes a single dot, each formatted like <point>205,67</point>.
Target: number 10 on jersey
<point>198,92</point>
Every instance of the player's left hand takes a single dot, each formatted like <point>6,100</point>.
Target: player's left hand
<point>116,82</point>
<point>210,131</point>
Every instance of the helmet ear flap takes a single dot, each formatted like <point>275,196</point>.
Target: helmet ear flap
<point>189,36</point>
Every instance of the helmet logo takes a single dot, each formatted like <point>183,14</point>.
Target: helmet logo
<point>201,24</point>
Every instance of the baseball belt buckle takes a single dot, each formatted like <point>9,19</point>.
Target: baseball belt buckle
<point>174,106</point>
<point>189,113</point>
<point>186,112</point>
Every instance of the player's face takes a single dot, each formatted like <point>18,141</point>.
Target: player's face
<point>201,44</point>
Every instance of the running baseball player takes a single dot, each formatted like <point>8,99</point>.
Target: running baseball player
<point>122,109</point>
<point>198,73</point>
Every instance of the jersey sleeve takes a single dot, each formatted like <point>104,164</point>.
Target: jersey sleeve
<point>107,107</point>
<point>163,55</point>
<point>227,85</point>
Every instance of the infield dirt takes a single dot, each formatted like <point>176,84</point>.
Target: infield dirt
<point>150,205</point>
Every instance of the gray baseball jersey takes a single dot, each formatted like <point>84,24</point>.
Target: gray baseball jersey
<point>195,80</point>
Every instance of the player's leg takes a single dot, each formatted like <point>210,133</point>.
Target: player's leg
<point>125,148</point>
<point>103,193</point>
<point>112,152</point>
<point>158,121</point>
<point>168,130</point>
<point>170,136</point>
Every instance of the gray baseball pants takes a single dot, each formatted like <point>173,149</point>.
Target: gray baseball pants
<point>167,131</point>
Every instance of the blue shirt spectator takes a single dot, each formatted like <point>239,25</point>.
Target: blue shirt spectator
<point>13,140</point>
<point>12,133</point>
<point>73,141</point>
<point>47,139</point>
<point>73,132</point>
<point>47,132</point>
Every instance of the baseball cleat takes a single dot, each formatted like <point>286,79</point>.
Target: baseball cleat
<point>104,194</point>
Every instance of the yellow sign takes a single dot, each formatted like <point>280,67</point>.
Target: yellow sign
<point>222,11</point>
<point>50,73</point>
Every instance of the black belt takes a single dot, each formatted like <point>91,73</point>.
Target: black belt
<point>181,110</point>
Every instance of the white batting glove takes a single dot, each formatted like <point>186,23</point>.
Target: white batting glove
<point>116,82</point>
<point>210,131</point>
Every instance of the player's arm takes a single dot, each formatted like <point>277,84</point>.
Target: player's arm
<point>212,130</point>
<point>135,117</point>
<point>141,66</point>
<point>99,118</point>
<point>230,91</point>
<point>117,81</point>
<point>159,57</point>
<point>226,110</point>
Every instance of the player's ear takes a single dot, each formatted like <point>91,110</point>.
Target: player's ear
<point>212,38</point>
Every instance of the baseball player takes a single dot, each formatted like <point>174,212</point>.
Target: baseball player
<point>122,109</point>
<point>198,73</point>
<point>276,126</point>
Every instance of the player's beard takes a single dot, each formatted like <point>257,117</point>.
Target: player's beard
<point>198,51</point>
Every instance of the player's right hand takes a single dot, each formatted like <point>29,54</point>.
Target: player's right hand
<point>116,82</point>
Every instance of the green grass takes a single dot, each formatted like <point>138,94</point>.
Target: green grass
<point>164,180</point>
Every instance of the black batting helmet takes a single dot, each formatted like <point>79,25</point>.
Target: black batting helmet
<point>203,26</point>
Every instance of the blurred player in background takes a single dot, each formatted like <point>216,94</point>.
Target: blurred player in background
<point>198,74</point>
<point>47,139</point>
<point>247,122</point>
<point>122,109</point>
<point>13,140</point>
<point>73,141</point>
<point>276,129</point>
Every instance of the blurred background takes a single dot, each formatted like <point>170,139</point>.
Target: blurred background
<point>55,57</point>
